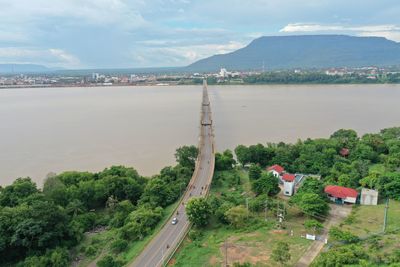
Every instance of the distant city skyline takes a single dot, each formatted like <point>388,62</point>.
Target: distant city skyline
<point>166,33</point>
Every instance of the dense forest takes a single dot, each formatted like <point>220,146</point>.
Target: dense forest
<point>39,226</point>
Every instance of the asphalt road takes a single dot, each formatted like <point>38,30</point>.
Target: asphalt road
<point>164,244</point>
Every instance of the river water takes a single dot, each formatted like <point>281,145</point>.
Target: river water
<point>57,129</point>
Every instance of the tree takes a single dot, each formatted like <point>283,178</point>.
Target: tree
<point>346,138</point>
<point>254,172</point>
<point>343,255</point>
<point>15,193</point>
<point>266,184</point>
<point>237,216</point>
<point>55,190</point>
<point>281,253</point>
<point>391,189</point>
<point>75,207</point>
<point>186,156</point>
<point>224,161</point>
<point>242,154</point>
<point>314,225</point>
<point>312,204</point>
<point>109,261</point>
<point>198,211</point>
<point>311,185</point>
<point>158,193</point>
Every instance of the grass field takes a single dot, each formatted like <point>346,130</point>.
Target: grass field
<point>252,244</point>
<point>381,249</point>
<point>366,220</point>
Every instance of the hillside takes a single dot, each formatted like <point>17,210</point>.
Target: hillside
<point>306,51</point>
<point>22,68</point>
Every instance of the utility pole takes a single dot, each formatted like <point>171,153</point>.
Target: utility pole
<point>247,206</point>
<point>226,254</point>
<point>280,215</point>
<point>265,209</point>
<point>385,215</point>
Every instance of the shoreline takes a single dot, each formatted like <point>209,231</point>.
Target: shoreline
<point>174,84</point>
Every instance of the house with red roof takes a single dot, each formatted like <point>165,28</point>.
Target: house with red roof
<point>276,170</point>
<point>288,183</point>
<point>341,194</point>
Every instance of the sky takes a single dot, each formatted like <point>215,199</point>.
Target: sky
<point>77,34</point>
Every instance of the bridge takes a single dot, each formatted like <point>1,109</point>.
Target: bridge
<point>163,246</point>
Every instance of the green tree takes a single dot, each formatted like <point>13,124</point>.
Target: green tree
<point>266,184</point>
<point>15,193</point>
<point>119,245</point>
<point>158,193</point>
<point>254,172</point>
<point>75,207</point>
<point>55,190</point>
<point>346,138</point>
<point>109,261</point>
<point>242,154</point>
<point>314,225</point>
<point>224,161</point>
<point>312,204</point>
<point>186,156</point>
<point>281,253</point>
<point>198,211</point>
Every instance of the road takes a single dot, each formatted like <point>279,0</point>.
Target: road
<point>337,213</point>
<point>164,244</point>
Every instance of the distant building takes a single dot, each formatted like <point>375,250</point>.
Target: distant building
<point>276,170</point>
<point>95,76</point>
<point>369,197</point>
<point>224,73</point>
<point>341,195</point>
<point>288,184</point>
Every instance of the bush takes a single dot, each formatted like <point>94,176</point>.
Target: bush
<point>345,236</point>
<point>119,245</point>
<point>90,251</point>
<point>195,234</point>
<point>109,261</point>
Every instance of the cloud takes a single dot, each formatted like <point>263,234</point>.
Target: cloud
<point>389,31</point>
<point>138,33</point>
<point>182,55</point>
<point>65,58</point>
<point>50,57</point>
<point>98,12</point>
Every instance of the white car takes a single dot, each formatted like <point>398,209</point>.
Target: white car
<point>174,221</point>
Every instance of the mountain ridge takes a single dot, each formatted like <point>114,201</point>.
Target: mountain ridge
<point>306,51</point>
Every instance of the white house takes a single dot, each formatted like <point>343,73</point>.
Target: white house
<point>288,184</point>
<point>276,170</point>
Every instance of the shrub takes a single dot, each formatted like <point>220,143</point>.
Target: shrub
<point>119,245</point>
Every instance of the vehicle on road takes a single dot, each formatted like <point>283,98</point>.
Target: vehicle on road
<point>174,221</point>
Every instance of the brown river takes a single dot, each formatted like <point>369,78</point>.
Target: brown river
<point>57,129</point>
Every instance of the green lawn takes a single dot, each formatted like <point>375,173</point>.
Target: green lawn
<point>366,220</point>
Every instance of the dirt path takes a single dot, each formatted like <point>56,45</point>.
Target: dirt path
<point>336,215</point>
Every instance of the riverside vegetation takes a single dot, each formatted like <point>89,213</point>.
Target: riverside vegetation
<point>226,231</point>
<point>41,227</point>
<point>108,216</point>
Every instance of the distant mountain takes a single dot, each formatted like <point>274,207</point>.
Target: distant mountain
<point>306,51</point>
<point>23,68</point>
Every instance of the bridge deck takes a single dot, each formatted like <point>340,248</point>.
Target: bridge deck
<point>156,253</point>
